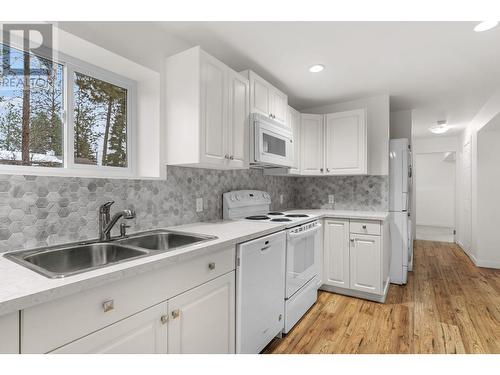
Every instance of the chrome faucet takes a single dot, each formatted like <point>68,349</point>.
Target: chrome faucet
<point>106,222</point>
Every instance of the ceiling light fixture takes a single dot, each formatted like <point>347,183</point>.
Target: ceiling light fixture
<point>440,128</point>
<point>316,68</point>
<point>485,25</point>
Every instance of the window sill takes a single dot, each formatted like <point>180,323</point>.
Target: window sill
<point>75,172</point>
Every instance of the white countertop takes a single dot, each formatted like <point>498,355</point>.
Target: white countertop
<point>21,288</point>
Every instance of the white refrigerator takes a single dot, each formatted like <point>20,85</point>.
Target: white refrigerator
<point>400,173</point>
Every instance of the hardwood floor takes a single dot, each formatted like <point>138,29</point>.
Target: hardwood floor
<point>448,306</point>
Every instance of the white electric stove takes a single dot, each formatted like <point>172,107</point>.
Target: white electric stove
<point>300,268</point>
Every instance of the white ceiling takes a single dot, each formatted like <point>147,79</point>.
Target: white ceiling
<point>442,70</point>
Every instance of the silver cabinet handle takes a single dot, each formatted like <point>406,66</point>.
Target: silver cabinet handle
<point>211,265</point>
<point>321,170</point>
<point>164,319</point>
<point>328,169</point>
<point>352,239</point>
<point>265,248</point>
<point>108,305</point>
<point>231,157</point>
<point>175,314</point>
<point>226,156</point>
<point>364,227</point>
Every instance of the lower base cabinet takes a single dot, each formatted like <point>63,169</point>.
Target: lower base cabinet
<point>9,333</point>
<point>202,320</point>
<point>142,333</point>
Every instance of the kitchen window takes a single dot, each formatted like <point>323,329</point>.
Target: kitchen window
<point>64,117</point>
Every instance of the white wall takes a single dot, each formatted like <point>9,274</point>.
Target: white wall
<point>400,124</point>
<point>378,118</point>
<point>435,190</point>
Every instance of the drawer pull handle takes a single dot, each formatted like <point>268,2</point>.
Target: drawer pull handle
<point>164,319</point>
<point>108,305</point>
<point>265,248</point>
<point>211,265</point>
<point>175,313</point>
<point>364,227</point>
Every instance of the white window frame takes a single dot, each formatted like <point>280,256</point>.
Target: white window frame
<point>70,168</point>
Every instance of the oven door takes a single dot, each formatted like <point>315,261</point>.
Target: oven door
<point>273,145</point>
<point>301,265</point>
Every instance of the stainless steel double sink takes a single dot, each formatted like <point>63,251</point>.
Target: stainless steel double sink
<point>61,261</point>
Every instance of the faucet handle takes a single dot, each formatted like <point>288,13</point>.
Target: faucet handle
<point>105,207</point>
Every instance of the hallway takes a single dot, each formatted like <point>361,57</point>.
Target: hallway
<point>448,306</point>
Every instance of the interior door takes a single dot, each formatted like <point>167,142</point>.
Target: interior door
<point>142,333</point>
<point>312,157</point>
<point>238,127</point>
<point>213,110</point>
<point>336,253</point>
<point>345,142</point>
<point>202,320</point>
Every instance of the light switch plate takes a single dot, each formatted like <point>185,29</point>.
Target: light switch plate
<point>281,199</point>
<point>331,199</point>
<point>199,204</point>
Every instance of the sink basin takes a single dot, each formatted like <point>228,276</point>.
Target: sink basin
<point>164,240</point>
<point>65,261</point>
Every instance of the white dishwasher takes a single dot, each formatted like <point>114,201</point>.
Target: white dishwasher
<point>260,292</point>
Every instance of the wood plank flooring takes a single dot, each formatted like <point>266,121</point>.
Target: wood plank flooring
<point>448,306</point>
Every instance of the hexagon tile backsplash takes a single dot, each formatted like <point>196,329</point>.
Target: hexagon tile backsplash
<point>38,210</point>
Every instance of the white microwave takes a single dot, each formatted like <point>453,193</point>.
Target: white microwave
<point>271,143</point>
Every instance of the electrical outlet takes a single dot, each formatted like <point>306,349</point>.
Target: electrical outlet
<point>331,199</point>
<point>281,199</point>
<point>199,204</point>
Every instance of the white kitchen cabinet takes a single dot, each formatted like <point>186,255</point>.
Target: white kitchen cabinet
<point>142,333</point>
<point>311,144</point>
<point>202,320</point>
<point>345,143</point>
<point>357,258</point>
<point>336,252</point>
<point>365,263</point>
<point>207,112</point>
<point>266,99</point>
<point>9,333</point>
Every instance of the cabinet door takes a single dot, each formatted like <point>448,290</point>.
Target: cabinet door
<point>311,147</point>
<point>294,123</point>
<point>142,333</point>
<point>213,111</point>
<point>202,320</point>
<point>345,142</point>
<point>278,105</point>
<point>9,333</point>
<point>259,91</point>
<point>336,253</point>
<point>238,120</point>
<point>365,259</point>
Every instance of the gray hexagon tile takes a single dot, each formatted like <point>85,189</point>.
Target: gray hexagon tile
<point>39,210</point>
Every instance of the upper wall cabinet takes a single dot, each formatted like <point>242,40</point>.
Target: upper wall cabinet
<point>207,110</point>
<point>293,119</point>
<point>312,145</point>
<point>345,143</point>
<point>266,99</point>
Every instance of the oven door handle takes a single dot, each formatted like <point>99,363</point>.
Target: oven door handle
<point>294,236</point>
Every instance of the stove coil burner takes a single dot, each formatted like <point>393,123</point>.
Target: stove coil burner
<point>257,217</point>
<point>281,219</point>
<point>297,215</point>
<point>275,213</point>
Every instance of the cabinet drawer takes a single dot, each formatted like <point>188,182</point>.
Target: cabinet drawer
<point>48,326</point>
<point>365,227</point>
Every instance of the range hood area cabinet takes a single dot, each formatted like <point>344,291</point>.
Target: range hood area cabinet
<point>207,112</point>
<point>331,144</point>
<point>266,99</point>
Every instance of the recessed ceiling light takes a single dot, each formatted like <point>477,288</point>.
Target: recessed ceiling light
<point>485,25</point>
<point>316,68</point>
<point>440,128</point>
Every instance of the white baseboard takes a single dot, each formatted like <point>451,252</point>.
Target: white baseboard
<point>479,262</point>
